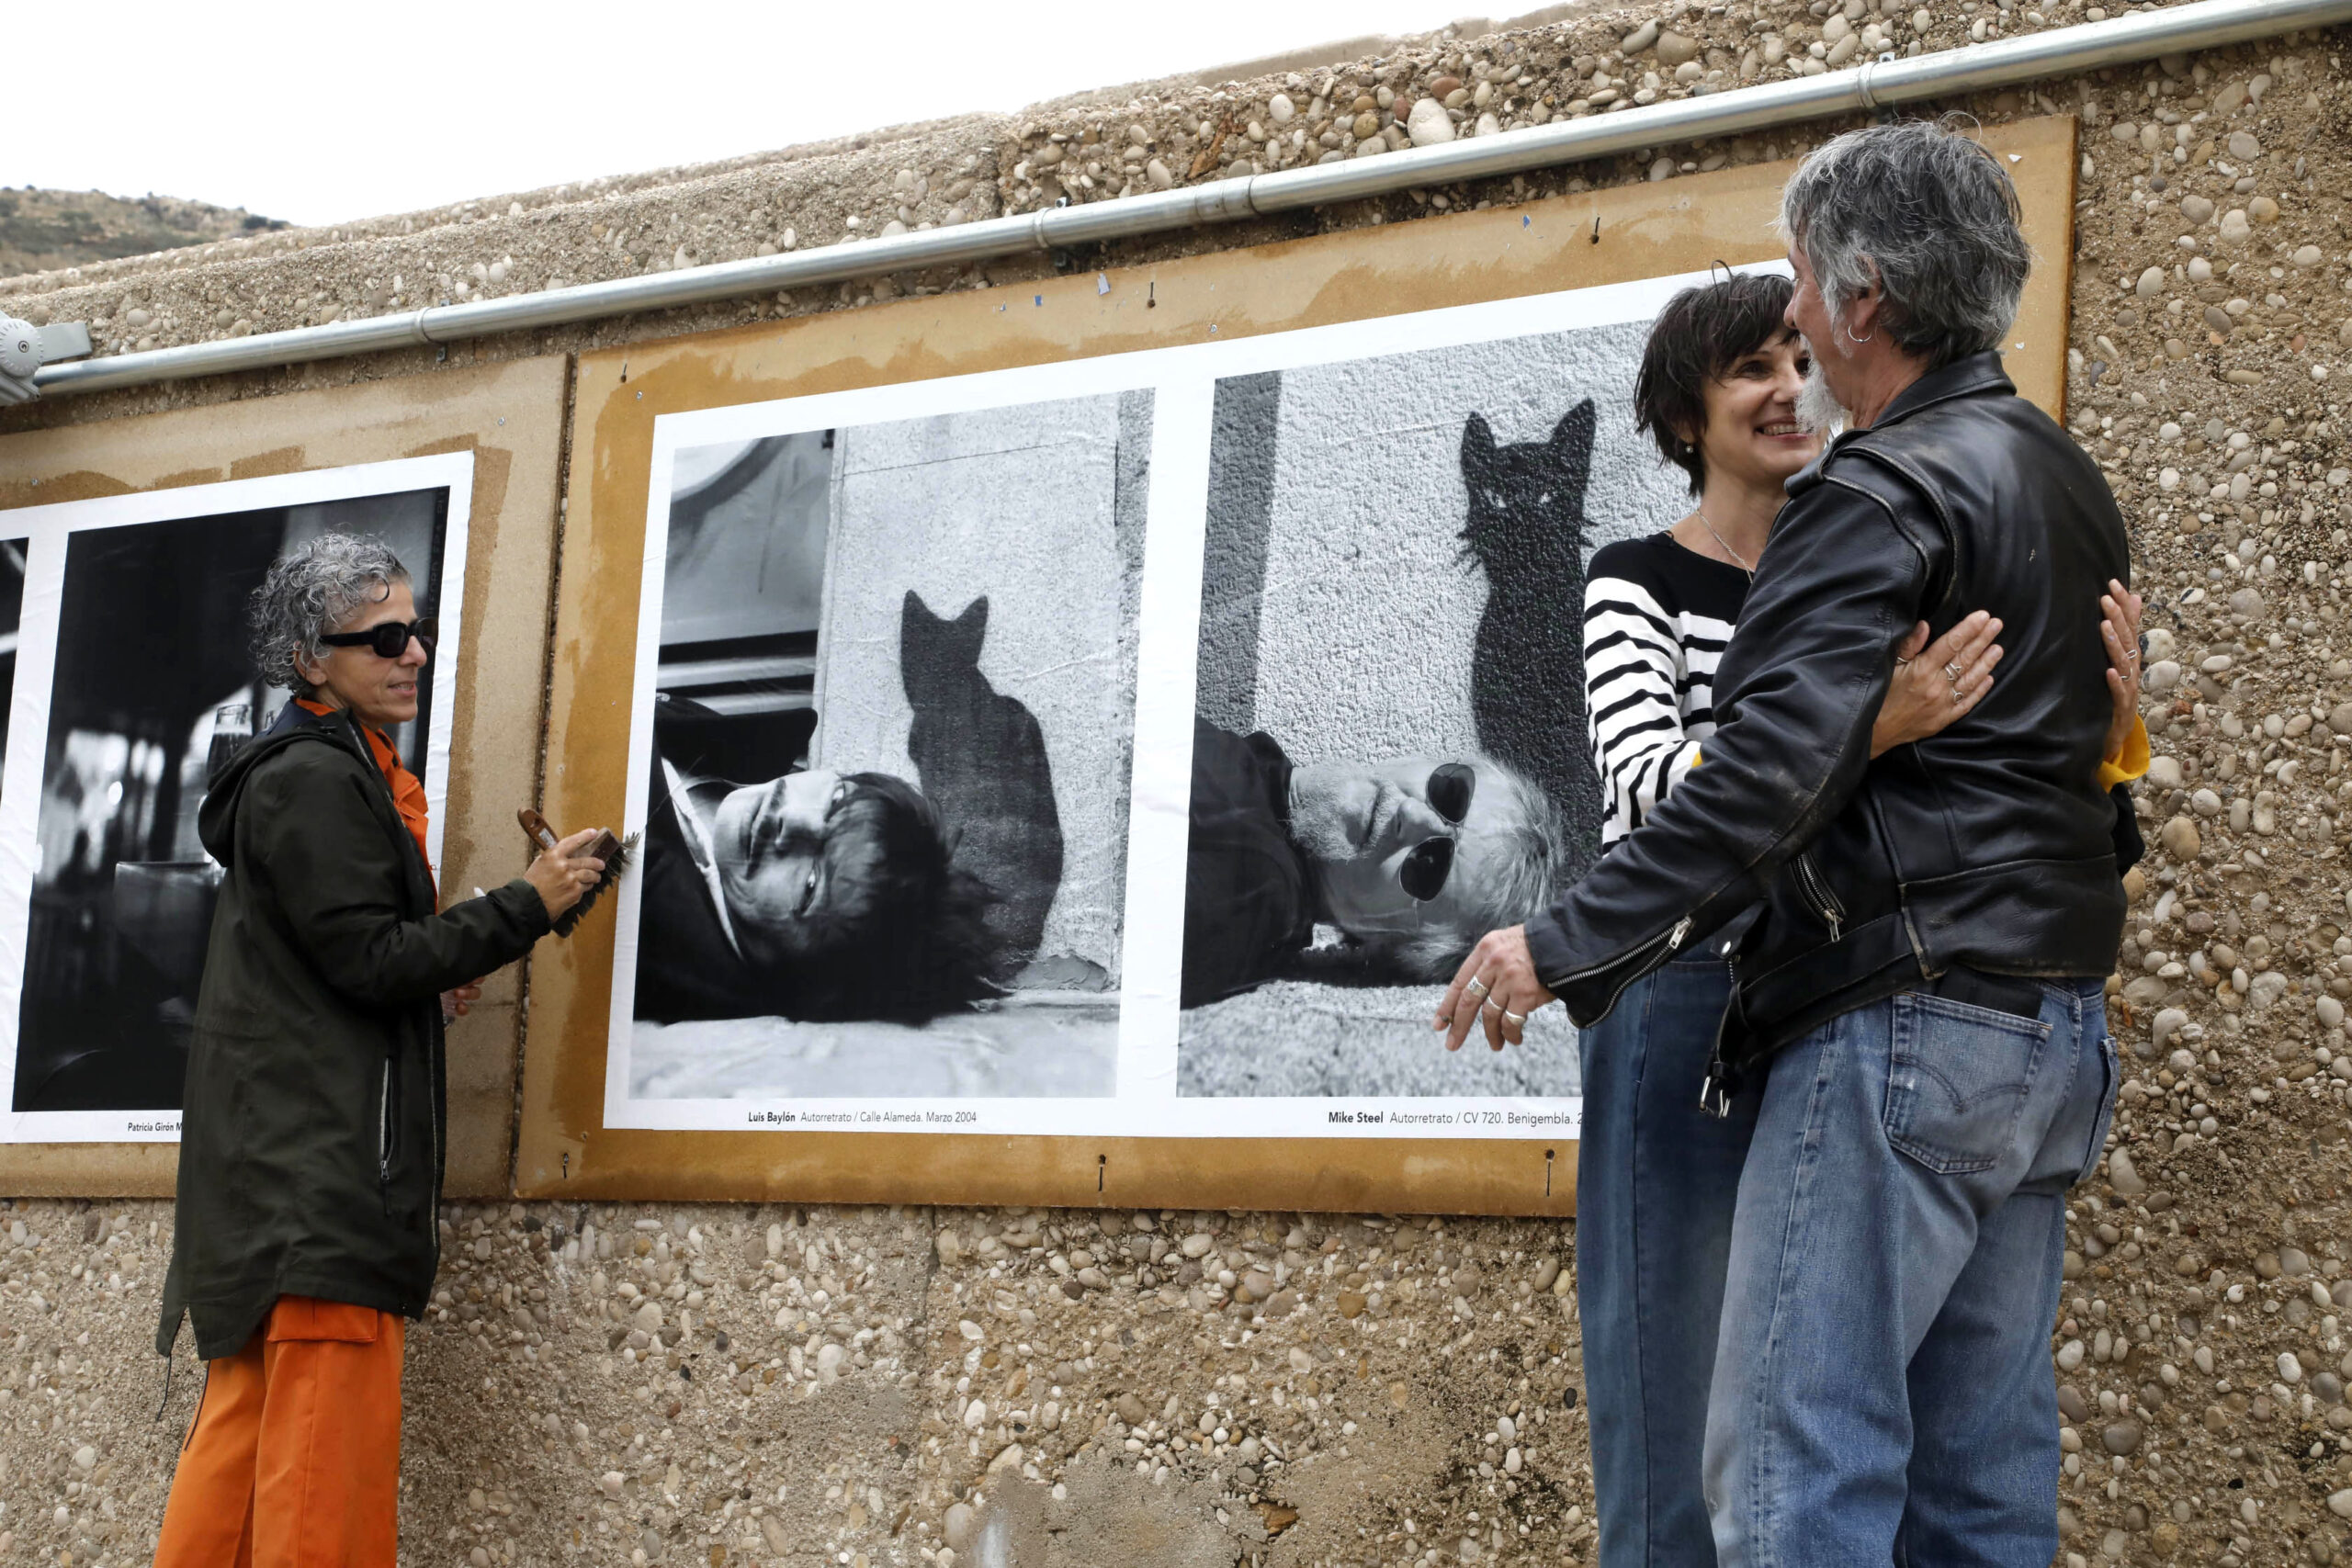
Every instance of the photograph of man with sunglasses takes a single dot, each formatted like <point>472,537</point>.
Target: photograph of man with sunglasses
<point>1404,856</point>
<point>1382,696</point>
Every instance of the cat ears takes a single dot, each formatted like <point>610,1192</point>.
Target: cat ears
<point>1574,433</point>
<point>973,623</point>
<point>1571,440</point>
<point>1477,439</point>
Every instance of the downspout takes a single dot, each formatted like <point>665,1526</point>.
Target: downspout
<point>1882,83</point>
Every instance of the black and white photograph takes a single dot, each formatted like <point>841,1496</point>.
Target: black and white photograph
<point>886,796</point>
<point>148,693</point>
<point>1388,750</point>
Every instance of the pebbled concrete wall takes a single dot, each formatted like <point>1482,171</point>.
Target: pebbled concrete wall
<point>2200,1350</point>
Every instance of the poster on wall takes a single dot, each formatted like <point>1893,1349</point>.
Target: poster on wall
<point>131,686</point>
<point>887,682</point>
<point>1125,746</point>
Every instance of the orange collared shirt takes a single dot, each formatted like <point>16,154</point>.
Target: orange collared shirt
<point>407,790</point>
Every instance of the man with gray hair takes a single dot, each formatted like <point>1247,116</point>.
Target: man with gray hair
<point>1919,1001</point>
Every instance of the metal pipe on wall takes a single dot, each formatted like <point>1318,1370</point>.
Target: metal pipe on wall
<point>1883,83</point>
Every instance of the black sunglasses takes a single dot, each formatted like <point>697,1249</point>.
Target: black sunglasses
<point>1424,872</point>
<point>388,639</point>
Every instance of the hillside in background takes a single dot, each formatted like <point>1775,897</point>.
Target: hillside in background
<point>44,230</point>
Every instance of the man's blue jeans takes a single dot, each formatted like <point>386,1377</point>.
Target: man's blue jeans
<point>1882,1388</point>
<point>1656,1182</point>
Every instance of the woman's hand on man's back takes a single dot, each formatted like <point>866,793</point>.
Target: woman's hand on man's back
<point>2120,629</point>
<point>1935,685</point>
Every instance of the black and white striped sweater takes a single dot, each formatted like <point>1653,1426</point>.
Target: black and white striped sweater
<point>1657,616</point>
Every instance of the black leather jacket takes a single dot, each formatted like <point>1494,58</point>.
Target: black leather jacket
<point>1986,846</point>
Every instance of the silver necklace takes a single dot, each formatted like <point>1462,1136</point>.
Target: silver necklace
<point>1737,559</point>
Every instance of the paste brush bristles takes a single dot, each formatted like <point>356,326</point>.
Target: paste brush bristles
<point>615,852</point>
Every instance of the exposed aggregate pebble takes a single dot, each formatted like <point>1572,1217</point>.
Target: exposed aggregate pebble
<point>767,1383</point>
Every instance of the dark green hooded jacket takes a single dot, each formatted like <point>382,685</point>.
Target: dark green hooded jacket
<point>312,1148</point>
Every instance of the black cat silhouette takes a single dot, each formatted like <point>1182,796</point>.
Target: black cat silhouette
<point>982,761</point>
<point>1527,697</point>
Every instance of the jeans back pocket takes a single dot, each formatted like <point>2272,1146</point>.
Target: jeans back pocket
<point>1957,1082</point>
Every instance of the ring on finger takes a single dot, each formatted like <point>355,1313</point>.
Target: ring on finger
<point>1493,1006</point>
<point>1478,989</point>
<point>1516,1019</point>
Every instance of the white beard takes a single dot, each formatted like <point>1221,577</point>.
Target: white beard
<point>1817,407</point>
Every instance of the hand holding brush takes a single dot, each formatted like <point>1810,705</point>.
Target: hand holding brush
<point>570,873</point>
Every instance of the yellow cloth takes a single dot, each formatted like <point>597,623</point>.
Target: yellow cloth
<point>2133,763</point>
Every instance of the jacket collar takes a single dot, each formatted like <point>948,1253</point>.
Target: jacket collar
<point>695,827</point>
<point>1977,373</point>
<point>1962,378</point>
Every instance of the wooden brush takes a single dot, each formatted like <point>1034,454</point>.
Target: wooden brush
<point>615,852</point>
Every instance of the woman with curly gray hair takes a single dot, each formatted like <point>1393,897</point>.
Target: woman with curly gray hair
<point>311,1154</point>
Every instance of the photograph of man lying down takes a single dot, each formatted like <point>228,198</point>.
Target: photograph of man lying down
<point>885,853</point>
<point>1390,753</point>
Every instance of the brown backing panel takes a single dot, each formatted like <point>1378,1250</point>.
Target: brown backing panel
<point>1568,243</point>
<point>511,417</point>
<point>2041,157</point>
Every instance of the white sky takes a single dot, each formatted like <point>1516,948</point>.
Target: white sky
<point>319,113</point>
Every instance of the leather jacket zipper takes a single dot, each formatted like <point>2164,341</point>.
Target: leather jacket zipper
<point>1724,1082</point>
<point>1720,1084</point>
<point>1817,896</point>
<point>1641,964</point>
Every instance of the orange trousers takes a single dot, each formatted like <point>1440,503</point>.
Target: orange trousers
<point>294,1458</point>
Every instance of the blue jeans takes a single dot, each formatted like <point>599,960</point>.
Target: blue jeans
<point>1882,1386</point>
<point>1656,1182</point>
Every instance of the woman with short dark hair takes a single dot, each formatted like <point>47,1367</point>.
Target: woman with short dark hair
<point>1718,391</point>
<point>1657,1176</point>
<point>312,1148</point>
